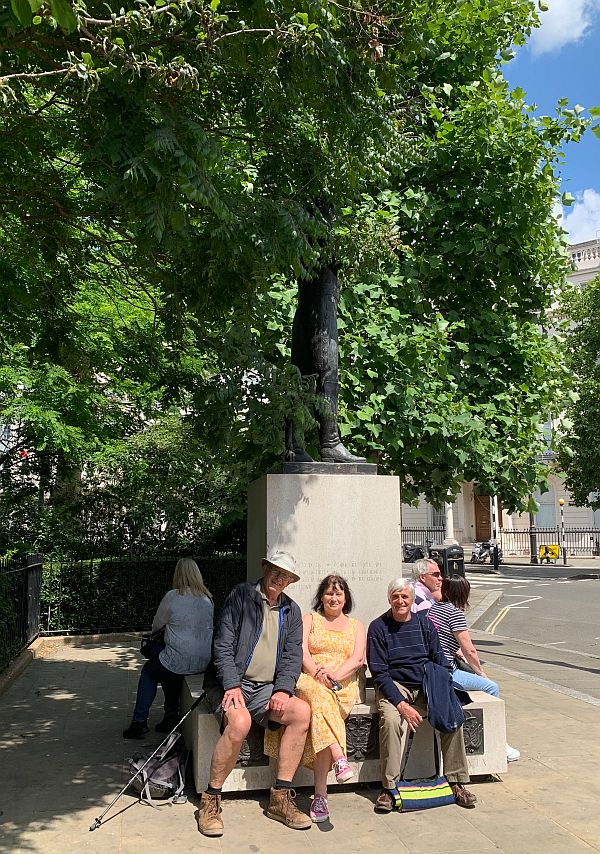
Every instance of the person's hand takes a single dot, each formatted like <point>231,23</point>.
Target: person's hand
<point>410,715</point>
<point>278,702</point>
<point>323,675</point>
<point>233,697</point>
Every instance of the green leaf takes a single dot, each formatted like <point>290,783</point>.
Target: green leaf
<point>62,11</point>
<point>447,87</point>
<point>36,4</point>
<point>567,199</point>
<point>596,131</point>
<point>22,11</point>
<point>595,112</point>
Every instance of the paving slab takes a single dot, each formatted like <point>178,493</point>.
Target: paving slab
<point>63,760</point>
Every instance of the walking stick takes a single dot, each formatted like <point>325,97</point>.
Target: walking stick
<point>99,819</point>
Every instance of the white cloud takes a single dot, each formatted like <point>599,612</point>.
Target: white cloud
<point>582,219</point>
<point>565,22</point>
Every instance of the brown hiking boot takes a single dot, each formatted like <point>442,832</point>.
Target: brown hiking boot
<point>282,808</point>
<point>208,816</point>
<point>463,797</point>
<point>384,802</point>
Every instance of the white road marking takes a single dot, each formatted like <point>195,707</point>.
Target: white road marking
<point>525,601</point>
<point>556,643</point>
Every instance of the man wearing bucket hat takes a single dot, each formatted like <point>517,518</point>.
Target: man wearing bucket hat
<point>257,659</point>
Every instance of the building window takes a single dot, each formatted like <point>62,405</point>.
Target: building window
<point>546,515</point>
<point>438,518</point>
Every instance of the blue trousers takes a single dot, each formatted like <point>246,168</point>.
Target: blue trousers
<point>153,673</point>
<point>472,682</point>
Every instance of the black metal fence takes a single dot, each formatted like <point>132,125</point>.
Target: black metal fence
<point>423,536</point>
<point>20,583</point>
<point>579,542</point>
<point>113,594</point>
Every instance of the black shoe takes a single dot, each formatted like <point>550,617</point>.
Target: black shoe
<point>167,724</point>
<point>136,729</point>
<point>339,454</point>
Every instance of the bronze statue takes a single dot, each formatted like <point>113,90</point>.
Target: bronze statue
<point>315,352</point>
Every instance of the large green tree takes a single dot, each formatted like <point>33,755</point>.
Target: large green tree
<point>579,452</point>
<point>202,160</point>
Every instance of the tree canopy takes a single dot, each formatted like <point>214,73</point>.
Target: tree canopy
<point>168,173</point>
<point>579,454</point>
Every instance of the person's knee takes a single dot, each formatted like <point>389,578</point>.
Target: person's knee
<point>238,724</point>
<point>493,689</point>
<point>299,713</point>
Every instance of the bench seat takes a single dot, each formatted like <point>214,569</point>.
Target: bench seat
<point>484,732</point>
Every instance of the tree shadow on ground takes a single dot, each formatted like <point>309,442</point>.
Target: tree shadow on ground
<point>63,755</point>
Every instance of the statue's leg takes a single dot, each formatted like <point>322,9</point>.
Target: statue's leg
<point>301,358</point>
<point>324,346</point>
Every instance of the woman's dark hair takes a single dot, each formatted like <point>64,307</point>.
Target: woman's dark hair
<point>456,590</point>
<point>333,581</point>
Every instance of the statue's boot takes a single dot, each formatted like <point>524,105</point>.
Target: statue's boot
<point>294,451</point>
<point>332,449</point>
<point>297,454</point>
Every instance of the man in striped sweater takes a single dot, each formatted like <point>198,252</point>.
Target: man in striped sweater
<point>399,643</point>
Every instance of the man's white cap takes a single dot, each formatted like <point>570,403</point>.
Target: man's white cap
<point>282,560</point>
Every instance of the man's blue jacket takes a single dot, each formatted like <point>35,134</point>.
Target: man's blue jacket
<point>239,629</point>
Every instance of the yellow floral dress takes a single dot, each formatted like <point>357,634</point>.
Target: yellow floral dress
<point>329,708</point>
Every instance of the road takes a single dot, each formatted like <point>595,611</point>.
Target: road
<point>545,626</point>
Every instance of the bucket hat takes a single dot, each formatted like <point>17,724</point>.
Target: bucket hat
<point>282,560</point>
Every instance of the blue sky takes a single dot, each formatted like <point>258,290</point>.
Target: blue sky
<point>562,60</point>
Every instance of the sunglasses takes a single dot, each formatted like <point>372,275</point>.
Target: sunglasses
<point>435,574</point>
<point>280,573</point>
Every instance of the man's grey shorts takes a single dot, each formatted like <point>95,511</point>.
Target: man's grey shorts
<point>256,696</point>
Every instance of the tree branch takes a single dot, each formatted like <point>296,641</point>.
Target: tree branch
<point>35,75</point>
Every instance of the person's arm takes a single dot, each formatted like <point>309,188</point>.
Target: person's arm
<point>378,664</point>
<point>225,641</point>
<point>163,614</point>
<point>432,643</point>
<point>469,652</point>
<point>357,659</point>
<point>290,657</point>
<point>308,663</point>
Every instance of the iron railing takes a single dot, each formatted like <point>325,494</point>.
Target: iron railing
<point>116,594</point>
<point>422,536</point>
<point>579,542</point>
<point>20,583</point>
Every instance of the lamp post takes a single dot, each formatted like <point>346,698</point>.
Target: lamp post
<point>562,530</point>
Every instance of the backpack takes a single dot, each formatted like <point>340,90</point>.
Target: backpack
<point>164,776</point>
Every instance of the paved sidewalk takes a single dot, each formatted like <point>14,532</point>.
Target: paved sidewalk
<point>62,760</point>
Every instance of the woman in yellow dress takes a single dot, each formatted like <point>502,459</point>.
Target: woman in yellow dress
<point>333,652</point>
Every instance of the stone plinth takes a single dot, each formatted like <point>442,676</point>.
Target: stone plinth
<point>347,524</point>
<point>484,733</point>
